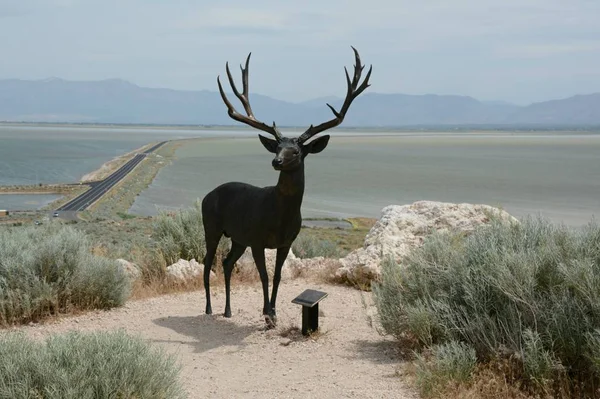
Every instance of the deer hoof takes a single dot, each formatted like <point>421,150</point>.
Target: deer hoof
<point>271,321</point>
<point>208,310</point>
<point>227,313</point>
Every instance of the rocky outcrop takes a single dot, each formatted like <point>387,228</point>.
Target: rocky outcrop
<point>293,267</point>
<point>400,229</point>
<point>183,270</point>
<point>130,269</point>
<point>245,264</point>
<point>404,227</point>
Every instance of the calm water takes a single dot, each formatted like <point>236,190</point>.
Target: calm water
<point>550,173</point>
<point>553,174</point>
<point>24,202</point>
<point>52,154</point>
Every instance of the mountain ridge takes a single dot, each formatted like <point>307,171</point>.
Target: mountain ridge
<point>119,101</point>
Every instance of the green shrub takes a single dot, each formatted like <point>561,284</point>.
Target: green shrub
<point>48,269</point>
<point>306,246</point>
<point>90,365</point>
<point>530,289</point>
<point>125,215</point>
<point>539,364</point>
<point>180,235</point>
<point>452,361</point>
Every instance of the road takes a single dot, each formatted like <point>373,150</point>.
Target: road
<point>99,188</point>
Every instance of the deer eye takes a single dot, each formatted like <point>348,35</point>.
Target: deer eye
<point>296,152</point>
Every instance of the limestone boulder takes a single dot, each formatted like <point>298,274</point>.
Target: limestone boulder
<point>183,270</point>
<point>130,269</point>
<point>247,266</point>
<point>402,228</point>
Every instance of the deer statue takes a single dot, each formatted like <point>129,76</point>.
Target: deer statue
<point>266,217</point>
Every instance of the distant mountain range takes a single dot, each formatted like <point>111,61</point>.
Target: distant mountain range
<point>118,101</point>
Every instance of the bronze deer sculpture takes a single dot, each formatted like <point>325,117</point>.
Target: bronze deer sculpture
<point>266,217</point>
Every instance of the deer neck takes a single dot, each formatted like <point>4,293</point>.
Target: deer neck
<point>290,186</point>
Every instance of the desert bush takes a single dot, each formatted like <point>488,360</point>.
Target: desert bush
<point>180,235</point>
<point>50,268</point>
<point>450,362</point>
<point>307,246</point>
<point>85,365</point>
<point>530,290</point>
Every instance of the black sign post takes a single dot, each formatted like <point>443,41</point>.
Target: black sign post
<point>309,300</point>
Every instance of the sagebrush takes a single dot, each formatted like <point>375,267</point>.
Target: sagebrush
<point>180,235</point>
<point>529,291</point>
<point>49,269</point>
<point>449,362</point>
<point>307,246</point>
<point>85,366</point>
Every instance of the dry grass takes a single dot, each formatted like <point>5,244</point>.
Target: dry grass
<point>290,331</point>
<point>494,380</point>
<point>345,240</point>
<point>294,334</point>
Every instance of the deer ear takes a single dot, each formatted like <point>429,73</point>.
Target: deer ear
<point>269,144</point>
<point>317,145</point>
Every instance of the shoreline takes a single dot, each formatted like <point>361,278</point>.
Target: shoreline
<point>125,193</point>
<point>58,189</point>
<point>105,170</point>
<point>120,198</point>
<point>439,128</point>
<point>30,193</point>
<point>108,167</point>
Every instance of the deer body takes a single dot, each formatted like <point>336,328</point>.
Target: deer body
<point>267,217</point>
<point>257,216</point>
<point>252,217</point>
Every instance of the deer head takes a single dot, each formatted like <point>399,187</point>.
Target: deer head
<point>291,152</point>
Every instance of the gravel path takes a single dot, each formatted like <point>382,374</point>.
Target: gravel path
<point>238,358</point>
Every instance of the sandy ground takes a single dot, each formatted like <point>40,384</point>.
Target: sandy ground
<point>238,358</point>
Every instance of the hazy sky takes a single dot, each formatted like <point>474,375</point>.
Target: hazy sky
<point>513,50</point>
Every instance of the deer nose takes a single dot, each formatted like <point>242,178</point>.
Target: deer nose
<point>277,162</point>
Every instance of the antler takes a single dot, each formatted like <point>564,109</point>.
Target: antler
<point>353,91</point>
<point>243,97</point>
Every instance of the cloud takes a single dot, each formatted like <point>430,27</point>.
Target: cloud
<point>233,17</point>
<point>546,50</point>
<point>489,49</point>
<point>19,8</point>
<point>11,9</point>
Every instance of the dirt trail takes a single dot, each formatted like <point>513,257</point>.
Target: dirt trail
<point>237,358</point>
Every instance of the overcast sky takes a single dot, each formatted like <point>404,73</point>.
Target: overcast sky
<point>514,50</point>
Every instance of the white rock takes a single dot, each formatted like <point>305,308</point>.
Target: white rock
<point>404,227</point>
<point>246,263</point>
<point>130,269</point>
<point>184,270</point>
<point>314,267</point>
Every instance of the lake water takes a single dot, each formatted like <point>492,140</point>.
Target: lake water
<point>25,202</point>
<point>53,154</point>
<point>64,154</point>
<point>553,174</point>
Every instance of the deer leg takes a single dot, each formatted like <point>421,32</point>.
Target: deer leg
<point>211,250</point>
<point>236,251</point>
<point>282,254</point>
<point>259,258</point>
